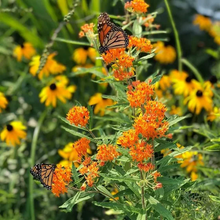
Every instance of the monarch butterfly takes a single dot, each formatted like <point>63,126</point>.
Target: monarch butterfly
<point>110,36</point>
<point>44,173</point>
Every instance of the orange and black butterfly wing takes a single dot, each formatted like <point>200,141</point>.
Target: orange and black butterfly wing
<point>110,36</point>
<point>46,175</point>
<point>35,171</point>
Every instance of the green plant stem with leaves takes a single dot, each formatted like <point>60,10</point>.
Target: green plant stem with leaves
<point>176,35</point>
<point>33,150</point>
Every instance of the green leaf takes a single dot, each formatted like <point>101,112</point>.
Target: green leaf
<point>104,191</point>
<point>75,176</point>
<point>175,119</point>
<point>164,145</point>
<point>214,147</point>
<point>78,134</point>
<point>67,122</point>
<point>71,42</point>
<point>213,53</point>
<point>147,57</point>
<point>137,29</point>
<point>79,197</point>
<point>120,179</point>
<point>215,198</point>
<point>94,70</point>
<point>158,207</point>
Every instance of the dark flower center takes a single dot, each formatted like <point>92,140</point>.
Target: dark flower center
<point>9,127</point>
<point>213,79</point>
<point>53,86</point>
<point>199,93</point>
<point>188,79</point>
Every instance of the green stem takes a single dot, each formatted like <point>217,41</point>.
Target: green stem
<point>194,70</point>
<point>33,149</point>
<point>176,35</point>
<point>142,193</point>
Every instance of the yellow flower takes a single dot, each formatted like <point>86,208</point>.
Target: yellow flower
<point>214,114</point>
<point>100,103</point>
<point>92,54</point>
<point>26,50</point>
<point>198,99</point>
<point>13,132</point>
<point>176,110</point>
<point>51,66</point>
<point>165,82</point>
<point>164,54</point>
<point>114,192</point>
<point>57,89</point>
<point>80,55</point>
<point>190,161</point>
<point>175,74</point>
<point>3,101</point>
<point>215,32</point>
<point>185,85</point>
<point>203,22</point>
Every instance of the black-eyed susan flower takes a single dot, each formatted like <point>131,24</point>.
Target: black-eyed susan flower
<point>3,102</point>
<point>199,99</point>
<point>92,54</point>
<point>13,132</point>
<point>214,114</point>
<point>164,54</point>
<point>26,50</point>
<point>100,103</point>
<point>190,161</point>
<point>185,85</point>
<point>57,89</point>
<point>203,22</point>
<point>51,66</point>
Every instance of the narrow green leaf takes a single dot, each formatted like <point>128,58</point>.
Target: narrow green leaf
<point>158,207</point>
<point>78,134</point>
<point>67,122</point>
<point>215,198</point>
<point>72,42</point>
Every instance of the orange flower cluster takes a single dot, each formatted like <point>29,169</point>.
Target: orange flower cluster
<point>141,151</point>
<point>142,44</point>
<point>86,28</point>
<point>149,20</point>
<point>81,146</point>
<point>139,93</point>
<point>119,57</point>
<point>128,138</point>
<point>151,124</point>
<point>121,74</point>
<point>155,175</point>
<point>146,167</point>
<point>61,179</point>
<point>122,67</point>
<point>107,153</point>
<point>78,115</point>
<point>90,170</point>
<point>138,6</point>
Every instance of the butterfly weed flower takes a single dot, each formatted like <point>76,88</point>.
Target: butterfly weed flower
<point>141,44</point>
<point>3,102</point>
<point>13,132</point>
<point>137,6</point>
<point>100,103</point>
<point>56,89</point>
<point>82,147</point>
<point>106,153</point>
<point>152,124</point>
<point>122,74</point>
<point>146,167</point>
<point>61,179</point>
<point>128,138</point>
<point>90,170</point>
<point>164,54</point>
<point>78,115</point>
<point>51,66</point>
<point>203,22</point>
<point>26,50</point>
<point>139,93</point>
<point>200,99</point>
